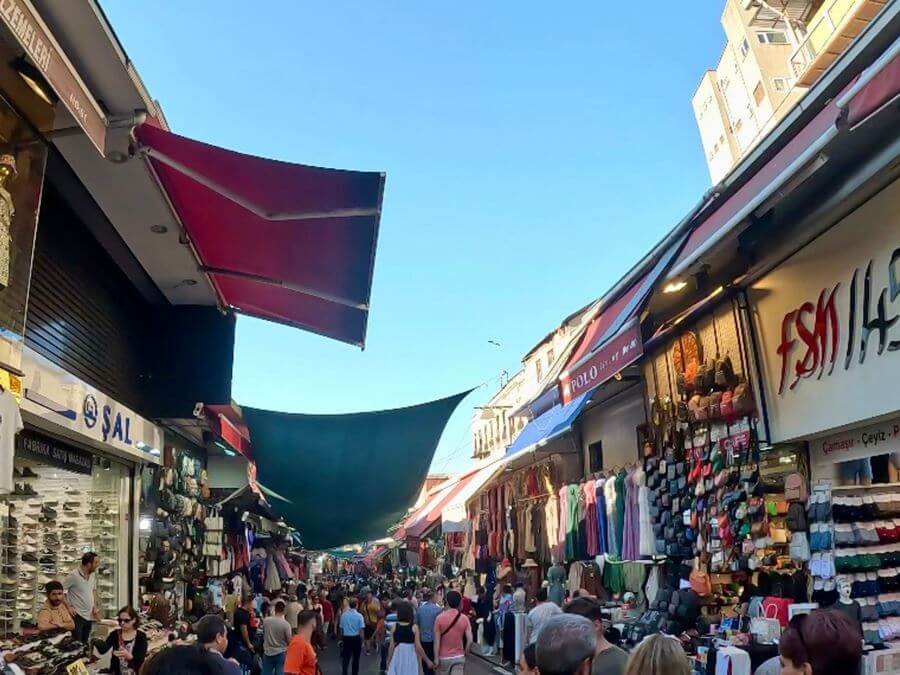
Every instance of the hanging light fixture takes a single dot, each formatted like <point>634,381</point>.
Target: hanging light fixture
<point>35,80</point>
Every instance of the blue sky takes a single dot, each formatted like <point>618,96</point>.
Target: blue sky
<point>532,156</point>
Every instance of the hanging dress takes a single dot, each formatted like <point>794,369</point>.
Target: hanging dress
<point>610,489</point>
<point>602,536</point>
<point>647,545</point>
<point>563,521</point>
<point>632,523</point>
<point>620,511</point>
<point>590,517</point>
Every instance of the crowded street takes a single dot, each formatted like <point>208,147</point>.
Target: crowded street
<point>505,338</point>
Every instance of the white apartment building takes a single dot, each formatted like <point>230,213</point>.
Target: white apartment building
<point>774,50</point>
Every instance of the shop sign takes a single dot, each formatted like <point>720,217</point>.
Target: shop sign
<point>31,32</point>
<point>32,445</point>
<point>811,334</point>
<point>880,438</point>
<point>828,322</point>
<point>621,351</point>
<point>62,399</point>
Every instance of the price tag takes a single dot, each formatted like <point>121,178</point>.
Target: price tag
<point>77,668</point>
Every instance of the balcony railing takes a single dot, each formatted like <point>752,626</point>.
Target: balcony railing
<point>829,33</point>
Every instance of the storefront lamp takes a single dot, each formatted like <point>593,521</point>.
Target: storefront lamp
<point>140,445</point>
<point>228,451</point>
<point>675,286</point>
<point>145,524</point>
<point>35,80</point>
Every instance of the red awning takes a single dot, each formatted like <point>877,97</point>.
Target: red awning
<point>879,91</point>
<point>225,421</point>
<point>723,217</point>
<point>284,242</point>
<point>612,339</point>
<point>428,516</point>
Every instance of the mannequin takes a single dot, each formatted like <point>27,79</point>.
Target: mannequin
<point>556,578</point>
<point>845,604</point>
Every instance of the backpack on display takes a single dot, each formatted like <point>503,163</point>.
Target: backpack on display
<point>742,399</point>
<point>796,520</point>
<point>796,488</point>
<point>724,373</point>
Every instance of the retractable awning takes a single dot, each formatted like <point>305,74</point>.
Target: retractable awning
<point>428,516</point>
<point>453,514</point>
<point>349,477</point>
<point>612,340</point>
<point>544,428</point>
<point>283,242</point>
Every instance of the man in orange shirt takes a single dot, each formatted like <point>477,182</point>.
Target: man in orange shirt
<point>301,657</point>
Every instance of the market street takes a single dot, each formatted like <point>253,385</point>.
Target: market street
<point>568,336</point>
<point>369,665</point>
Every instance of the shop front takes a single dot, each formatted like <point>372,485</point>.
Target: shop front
<point>826,321</point>
<point>828,340</point>
<point>76,487</point>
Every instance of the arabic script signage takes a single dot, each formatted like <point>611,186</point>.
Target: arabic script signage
<point>828,321</point>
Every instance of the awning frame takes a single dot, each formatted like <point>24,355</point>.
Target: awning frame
<point>149,154</point>
<point>247,204</point>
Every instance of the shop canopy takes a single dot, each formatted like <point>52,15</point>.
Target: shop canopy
<point>349,477</point>
<point>612,339</point>
<point>544,428</point>
<point>873,90</point>
<point>283,242</point>
<point>453,513</point>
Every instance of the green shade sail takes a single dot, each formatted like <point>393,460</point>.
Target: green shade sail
<point>348,477</point>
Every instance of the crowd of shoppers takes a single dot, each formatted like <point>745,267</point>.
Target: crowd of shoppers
<point>419,630</point>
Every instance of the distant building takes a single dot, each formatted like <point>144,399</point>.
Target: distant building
<point>497,423</point>
<point>774,51</point>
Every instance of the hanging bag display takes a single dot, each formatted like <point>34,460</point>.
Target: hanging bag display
<point>796,488</point>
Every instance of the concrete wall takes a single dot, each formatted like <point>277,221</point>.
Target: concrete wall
<point>615,424</point>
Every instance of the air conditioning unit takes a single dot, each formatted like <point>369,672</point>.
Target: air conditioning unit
<point>749,4</point>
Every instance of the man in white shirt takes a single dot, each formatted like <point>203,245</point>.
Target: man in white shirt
<point>538,616</point>
<point>81,590</point>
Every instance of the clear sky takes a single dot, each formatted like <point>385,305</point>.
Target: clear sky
<point>533,154</point>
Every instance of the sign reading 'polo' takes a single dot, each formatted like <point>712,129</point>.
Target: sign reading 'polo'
<point>828,320</point>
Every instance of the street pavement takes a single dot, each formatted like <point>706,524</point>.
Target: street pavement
<point>330,662</point>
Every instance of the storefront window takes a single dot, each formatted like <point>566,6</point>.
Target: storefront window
<point>59,511</point>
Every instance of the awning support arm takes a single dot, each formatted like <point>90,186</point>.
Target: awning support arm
<point>248,205</point>
<point>328,297</point>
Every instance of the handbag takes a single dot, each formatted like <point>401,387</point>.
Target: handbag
<point>776,608</point>
<point>700,583</point>
<point>799,547</point>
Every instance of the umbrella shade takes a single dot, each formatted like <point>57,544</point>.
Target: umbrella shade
<point>348,477</point>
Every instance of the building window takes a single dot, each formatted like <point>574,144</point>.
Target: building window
<point>539,368</point>
<point>738,125</point>
<point>759,93</point>
<point>595,455</point>
<point>772,37</point>
<point>745,48</point>
<point>723,84</point>
<point>550,357</point>
<point>781,83</point>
